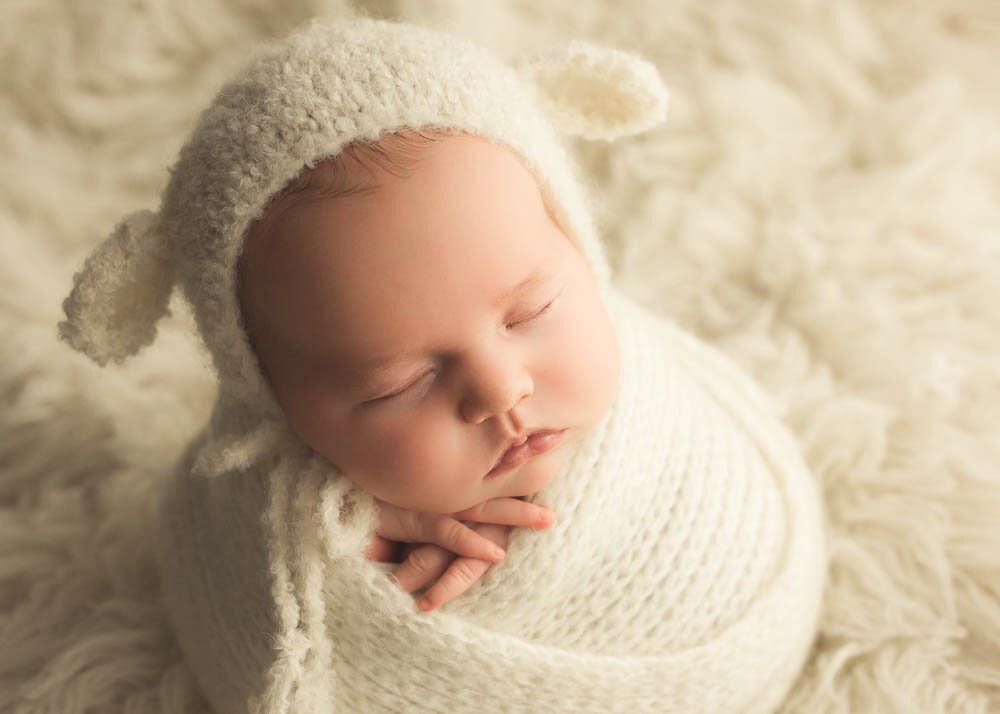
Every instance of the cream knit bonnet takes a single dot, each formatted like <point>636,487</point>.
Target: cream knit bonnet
<point>330,84</point>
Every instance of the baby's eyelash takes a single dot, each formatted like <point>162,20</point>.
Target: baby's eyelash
<point>534,315</point>
<point>386,397</point>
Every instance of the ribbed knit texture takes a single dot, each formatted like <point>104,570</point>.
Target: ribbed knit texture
<point>684,573</point>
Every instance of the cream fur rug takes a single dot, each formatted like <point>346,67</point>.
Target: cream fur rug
<point>823,206</point>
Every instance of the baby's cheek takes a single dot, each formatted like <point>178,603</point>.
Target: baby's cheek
<point>424,446</point>
<point>591,360</point>
<point>416,445</point>
<point>607,365</point>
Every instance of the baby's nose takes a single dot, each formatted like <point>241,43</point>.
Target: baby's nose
<point>495,387</point>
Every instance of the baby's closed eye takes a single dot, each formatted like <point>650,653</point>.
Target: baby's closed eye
<point>411,384</point>
<point>397,392</point>
<point>534,315</point>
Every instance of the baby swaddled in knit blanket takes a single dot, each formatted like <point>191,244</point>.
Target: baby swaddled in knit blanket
<point>419,352</point>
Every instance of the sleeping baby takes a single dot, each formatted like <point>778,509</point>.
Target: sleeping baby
<point>422,361</point>
<point>447,361</point>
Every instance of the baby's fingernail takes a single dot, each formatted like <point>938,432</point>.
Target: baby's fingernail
<point>499,552</point>
<point>425,603</point>
<point>545,520</point>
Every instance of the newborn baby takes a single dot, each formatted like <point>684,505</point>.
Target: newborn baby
<point>417,325</point>
<point>390,259</point>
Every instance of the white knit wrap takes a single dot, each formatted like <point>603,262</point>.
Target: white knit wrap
<point>684,573</point>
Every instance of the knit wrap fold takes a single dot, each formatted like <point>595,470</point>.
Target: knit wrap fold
<point>684,572</point>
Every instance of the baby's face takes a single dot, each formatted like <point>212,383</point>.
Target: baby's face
<point>410,333</point>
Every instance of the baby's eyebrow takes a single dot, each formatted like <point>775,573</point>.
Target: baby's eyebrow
<point>539,276</point>
<point>530,282</point>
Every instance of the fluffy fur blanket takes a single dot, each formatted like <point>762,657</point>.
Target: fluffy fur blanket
<point>823,206</point>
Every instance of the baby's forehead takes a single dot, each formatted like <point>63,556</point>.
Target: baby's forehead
<point>362,177</point>
<point>463,211</point>
<point>360,170</point>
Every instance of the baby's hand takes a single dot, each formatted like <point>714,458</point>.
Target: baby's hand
<point>425,562</point>
<point>441,538</point>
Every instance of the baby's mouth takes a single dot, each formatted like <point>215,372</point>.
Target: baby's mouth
<point>536,443</point>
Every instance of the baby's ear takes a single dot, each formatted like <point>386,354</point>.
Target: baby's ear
<point>121,292</point>
<point>597,92</point>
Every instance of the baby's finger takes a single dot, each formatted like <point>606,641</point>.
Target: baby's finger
<point>405,526</point>
<point>382,549</point>
<point>424,564</point>
<point>458,578</point>
<point>460,539</point>
<point>508,512</point>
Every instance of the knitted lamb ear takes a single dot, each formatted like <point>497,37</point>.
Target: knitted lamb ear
<point>597,92</point>
<point>121,292</point>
